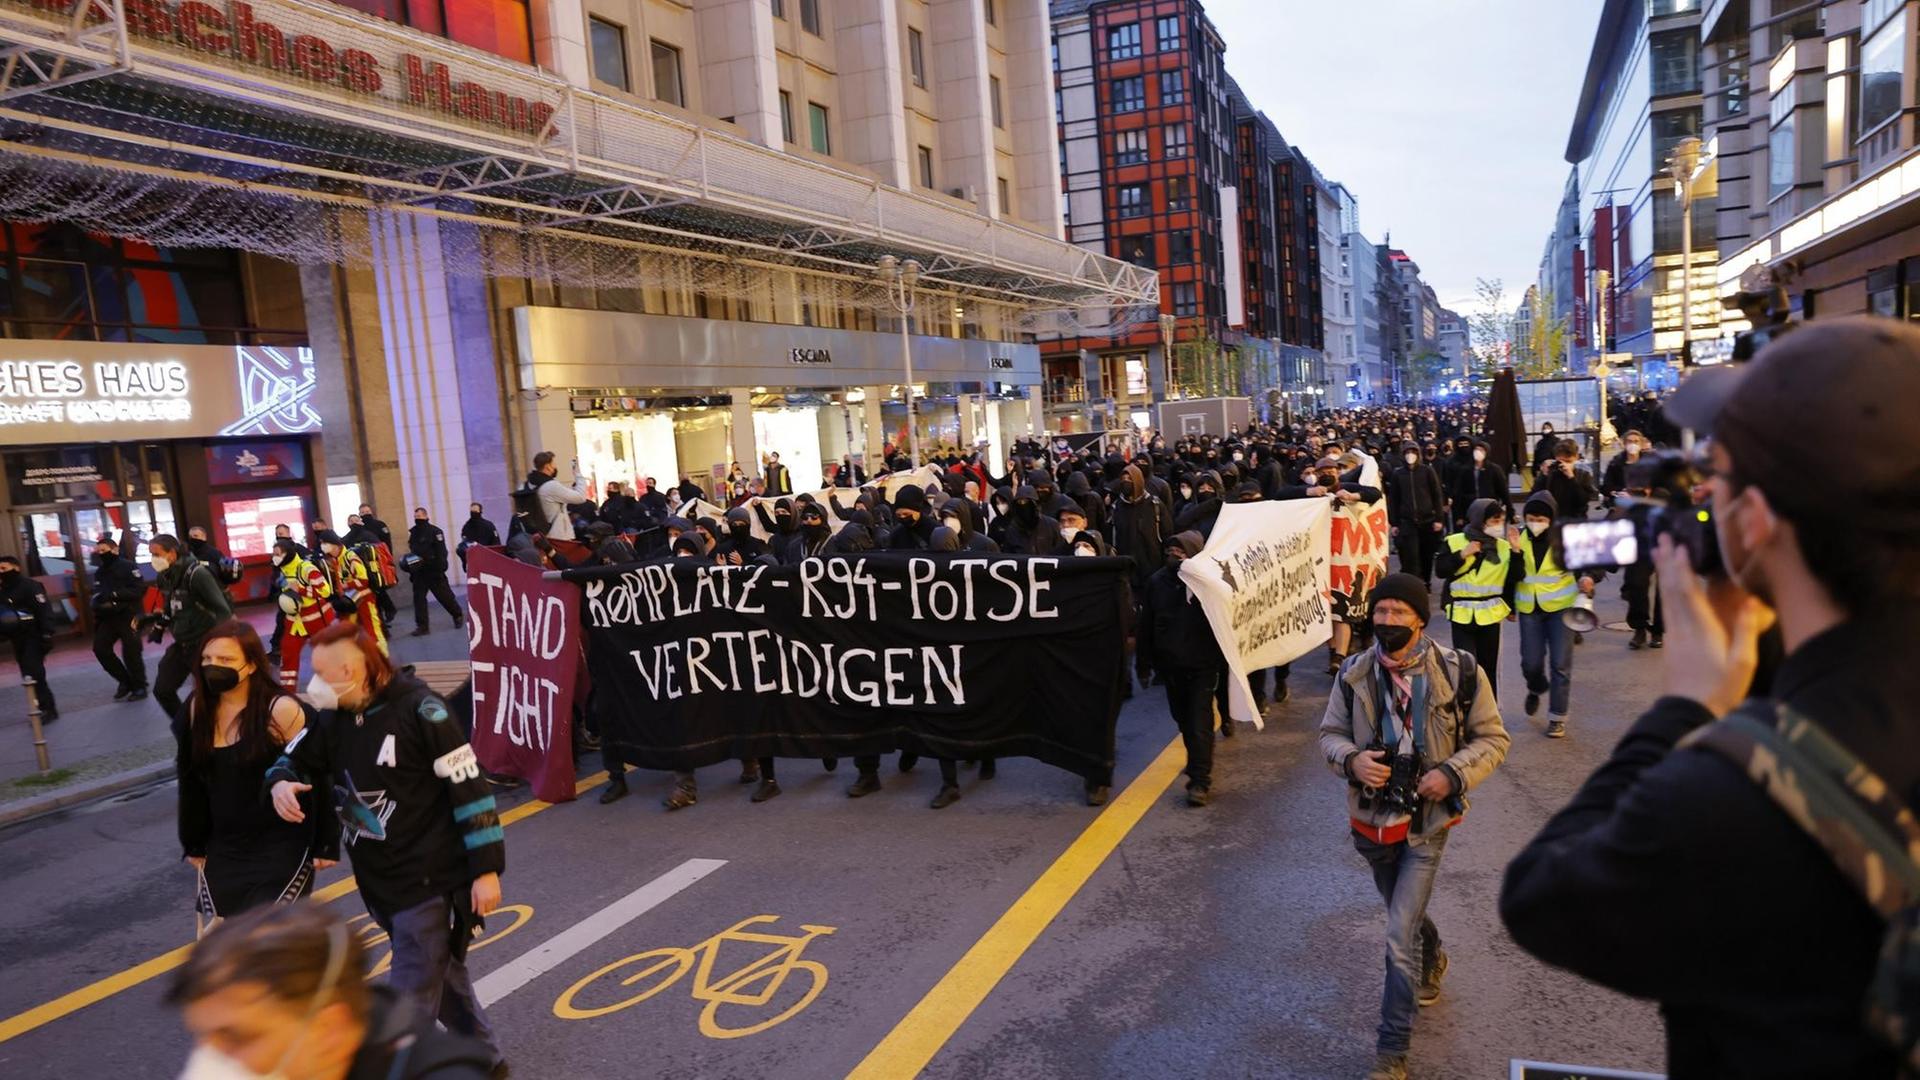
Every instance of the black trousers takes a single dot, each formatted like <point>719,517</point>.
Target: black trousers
<point>1638,590</point>
<point>32,658</point>
<point>1190,700</point>
<point>127,669</point>
<point>175,668</point>
<point>1484,643</point>
<point>436,585</point>
<point>383,603</point>
<point>1416,545</point>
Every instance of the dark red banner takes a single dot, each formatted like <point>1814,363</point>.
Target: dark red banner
<point>523,635</point>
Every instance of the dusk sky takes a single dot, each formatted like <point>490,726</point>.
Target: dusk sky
<point>1447,121</point>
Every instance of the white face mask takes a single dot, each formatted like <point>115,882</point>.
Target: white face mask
<point>1084,550</point>
<point>321,694</point>
<point>1479,455</point>
<point>161,563</point>
<point>1186,492</point>
<point>1413,459</point>
<point>1538,527</point>
<point>208,1063</point>
<point>1237,456</point>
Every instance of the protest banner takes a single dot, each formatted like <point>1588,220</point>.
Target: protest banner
<point>996,656</point>
<point>1262,580</point>
<point>523,639</point>
<point>1359,541</point>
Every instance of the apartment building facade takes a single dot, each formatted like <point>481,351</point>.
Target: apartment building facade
<point>1643,94</point>
<point>1814,123</point>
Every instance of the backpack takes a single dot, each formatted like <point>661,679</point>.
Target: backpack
<point>378,557</point>
<point>1871,836</point>
<point>526,507</point>
<point>1466,687</point>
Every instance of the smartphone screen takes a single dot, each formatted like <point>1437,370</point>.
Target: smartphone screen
<point>1600,544</point>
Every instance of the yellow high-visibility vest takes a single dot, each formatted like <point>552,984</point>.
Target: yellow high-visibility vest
<point>1477,595</point>
<point>1546,583</point>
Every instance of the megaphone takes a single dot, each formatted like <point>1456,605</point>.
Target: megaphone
<point>1580,617</point>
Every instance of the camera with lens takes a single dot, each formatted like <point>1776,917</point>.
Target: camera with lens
<point>1399,795</point>
<point>1667,509</point>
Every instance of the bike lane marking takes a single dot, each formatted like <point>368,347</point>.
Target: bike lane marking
<point>73,1001</point>
<point>911,1045</point>
<point>582,935</point>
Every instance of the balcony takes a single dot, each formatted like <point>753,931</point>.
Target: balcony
<point>1064,392</point>
<point>291,108</point>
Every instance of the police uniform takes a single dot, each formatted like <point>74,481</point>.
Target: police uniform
<point>428,544</point>
<point>27,620</point>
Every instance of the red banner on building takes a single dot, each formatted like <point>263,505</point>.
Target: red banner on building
<point>523,636</point>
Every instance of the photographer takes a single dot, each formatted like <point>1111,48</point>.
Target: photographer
<point>117,591</point>
<point>192,603</point>
<point>1568,481</point>
<point>1412,726</point>
<point>1644,612</point>
<point>1673,875</point>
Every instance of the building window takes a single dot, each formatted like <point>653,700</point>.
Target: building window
<point>1133,200</point>
<point>993,17</point>
<point>1130,94</point>
<point>1130,147</point>
<point>917,58</point>
<point>1123,41</point>
<point>1883,64</point>
<point>786,116</point>
<point>924,156</point>
<point>1179,248</point>
<point>1781,160</point>
<point>1178,142</point>
<point>609,52</point>
<point>810,16</point>
<point>1173,87</point>
<point>667,86</point>
<point>1186,299</point>
<point>1006,197</point>
<point>1675,55</point>
<point>817,128</point>
<point>993,98</point>
<point>1166,34</point>
<point>1178,197</point>
<point>779,9</point>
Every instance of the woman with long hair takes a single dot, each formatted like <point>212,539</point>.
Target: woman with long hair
<point>235,726</point>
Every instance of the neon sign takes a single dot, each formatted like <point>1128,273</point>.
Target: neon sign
<point>104,392</point>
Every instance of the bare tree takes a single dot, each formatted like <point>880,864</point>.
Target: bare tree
<point>1489,327</point>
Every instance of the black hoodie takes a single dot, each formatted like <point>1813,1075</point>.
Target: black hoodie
<point>970,539</point>
<point>1173,633</point>
<point>1081,489</point>
<point>1030,532</point>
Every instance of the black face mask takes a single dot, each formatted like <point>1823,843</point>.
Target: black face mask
<point>9,576</point>
<point>1027,513</point>
<point>740,530</point>
<point>475,515</point>
<point>1392,638</point>
<point>814,527</point>
<point>102,558</point>
<point>219,679</point>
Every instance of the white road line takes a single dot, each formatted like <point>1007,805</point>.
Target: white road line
<point>575,939</point>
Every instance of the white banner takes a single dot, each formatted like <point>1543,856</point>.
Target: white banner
<point>1262,580</point>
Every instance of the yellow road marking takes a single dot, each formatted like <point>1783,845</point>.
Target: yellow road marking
<point>913,1042</point>
<point>66,1004</point>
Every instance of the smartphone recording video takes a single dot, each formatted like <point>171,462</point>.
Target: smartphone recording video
<point>1604,545</point>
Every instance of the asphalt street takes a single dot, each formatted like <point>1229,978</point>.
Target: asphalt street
<point>1239,940</point>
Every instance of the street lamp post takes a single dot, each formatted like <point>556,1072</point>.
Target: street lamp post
<point>1684,166</point>
<point>1167,325</point>
<point>899,277</point>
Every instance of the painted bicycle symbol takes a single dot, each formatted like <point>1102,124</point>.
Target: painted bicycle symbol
<point>372,937</point>
<point>745,991</point>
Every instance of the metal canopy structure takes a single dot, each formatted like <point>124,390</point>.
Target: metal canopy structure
<point>287,102</point>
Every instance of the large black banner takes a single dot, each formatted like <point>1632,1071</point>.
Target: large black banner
<point>948,656</point>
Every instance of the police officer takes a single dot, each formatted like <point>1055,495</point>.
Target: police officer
<point>429,546</point>
<point>378,533</point>
<point>117,591</point>
<point>28,623</point>
<point>477,530</point>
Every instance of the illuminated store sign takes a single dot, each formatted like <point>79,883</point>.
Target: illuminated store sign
<point>105,392</point>
<point>81,391</point>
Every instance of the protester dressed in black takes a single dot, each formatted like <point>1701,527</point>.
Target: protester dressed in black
<point>237,722</point>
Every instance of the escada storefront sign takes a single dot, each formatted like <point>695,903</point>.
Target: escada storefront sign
<point>366,64</point>
<point>810,356</point>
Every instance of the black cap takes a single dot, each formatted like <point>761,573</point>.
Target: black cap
<point>1405,588</point>
<point>1845,386</point>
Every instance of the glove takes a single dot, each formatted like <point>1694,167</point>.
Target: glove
<point>342,606</point>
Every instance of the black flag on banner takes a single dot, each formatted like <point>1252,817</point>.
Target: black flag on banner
<point>948,656</point>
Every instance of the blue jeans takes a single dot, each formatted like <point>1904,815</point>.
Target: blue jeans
<point>1544,633</point>
<point>1404,876</point>
<point>426,971</point>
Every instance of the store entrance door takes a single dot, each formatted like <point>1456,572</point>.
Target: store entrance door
<point>48,547</point>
